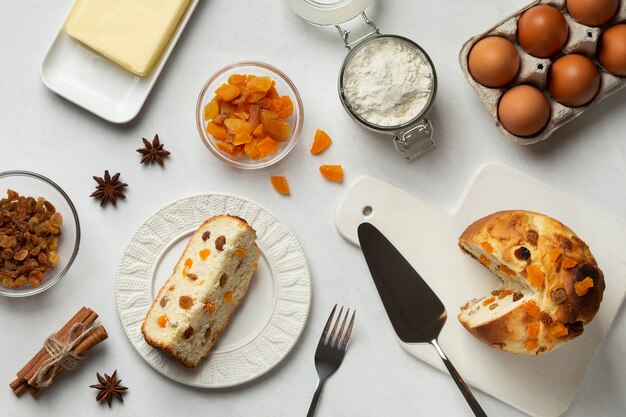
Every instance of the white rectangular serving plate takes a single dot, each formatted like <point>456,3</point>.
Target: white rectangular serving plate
<point>541,386</point>
<point>93,82</point>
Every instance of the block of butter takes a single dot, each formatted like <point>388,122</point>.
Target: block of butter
<point>131,33</point>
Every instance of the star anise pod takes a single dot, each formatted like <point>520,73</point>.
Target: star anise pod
<point>109,388</point>
<point>109,188</point>
<point>153,151</point>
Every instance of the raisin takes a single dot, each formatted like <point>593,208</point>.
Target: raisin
<point>575,329</point>
<point>192,277</point>
<point>546,318</point>
<point>206,236</point>
<point>220,242</point>
<point>532,236</point>
<point>522,253</point>
<point>517,296</point>
<point>493,306</point>
<point>223,280</point>
<point>185,302</point>
<point>207,333</point>
<point>559,295</point>
<point>163,301</point>
<point>188,332</point>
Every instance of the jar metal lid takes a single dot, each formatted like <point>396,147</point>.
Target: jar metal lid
<point>328,12</point>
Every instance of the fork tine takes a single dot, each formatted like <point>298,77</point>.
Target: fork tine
<point>343,324</point>
<point>346,337</point>
<point>332,338</point>
<point>327,326</point>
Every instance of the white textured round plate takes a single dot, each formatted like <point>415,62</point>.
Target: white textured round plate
<point>268,323</point>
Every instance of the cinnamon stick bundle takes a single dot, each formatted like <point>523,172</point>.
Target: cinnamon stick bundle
<point>61,351</point>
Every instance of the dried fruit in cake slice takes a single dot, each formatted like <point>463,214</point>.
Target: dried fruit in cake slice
<point>208,283</point>
<point>551,284</point>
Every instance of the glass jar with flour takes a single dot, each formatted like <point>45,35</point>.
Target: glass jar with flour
<point>387,82</point>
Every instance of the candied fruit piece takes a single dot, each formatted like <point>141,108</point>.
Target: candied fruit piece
<point>259,84</point>
<point>487,247</point>
<point>204,253</point>
<point>209,307</point>
<point>488,301</point>
<point>282,106</point>
<point>568,263</point>
<point>218,132</point>
<point>321,142</point>
<point>535,275</point>
<point>211,110</point>
<point>188,262</point>
<point>554,254</point>
<point>185,302</point>
<point>280,185</point>
<point>242,138</point>
<point>277,129</point>
<point>162,321</point>
<point>228,297</point>
<point>483,260</point>
<point>532,310</point>
<point>237,79</point>
<point>332,173</point>
<point>533,329</point>
<point>267,146</point>
<point>531,344</point>
<point>240,252</point>
<point>505,293</point>
<point>582,287</point>
<point>558,330</point>
<point>505,269</point>
<point>227,92</point>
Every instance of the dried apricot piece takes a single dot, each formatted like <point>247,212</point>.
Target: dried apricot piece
<point>488,301</point>
<point>256,96</point>
<point>531,344</point>
<point>532,310</point>
<point>218,132</point>
<point>483,260</point>
<point>252,150</point>
<point>280,185</point>
<point>267,146</point>
<point>283,107</point>
<point>332,173</point>
<point>228,297</point>
<point>582,287</point>
<point>533,329</point>
<point>505,269</point>
<point>227,92</point>
<point>259,84</point>
<point>568,263</point>
<point>535,275</point>
<point>487,247</point>
<point>225,147</point>
<point>321,142</point>
<point>204,253</point>
<point>554,254</point>
<point>237,126</point>
<point>242,138</point>
<point>237,79</point>
<point>258,132</point>
<point>162,321</point>
<point>211,110</point>
<point>559,330</point>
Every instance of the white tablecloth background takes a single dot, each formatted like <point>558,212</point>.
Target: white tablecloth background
<point>42,132</point>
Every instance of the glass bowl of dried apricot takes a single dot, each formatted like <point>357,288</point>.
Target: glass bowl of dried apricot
<point>249,115</point>
<point>39,233</point>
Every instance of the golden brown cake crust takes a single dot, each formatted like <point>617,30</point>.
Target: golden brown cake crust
<point>156,344</point>
<point>564,261</point>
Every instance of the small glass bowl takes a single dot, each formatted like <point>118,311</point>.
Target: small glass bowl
<point>34,185</point>
<point>284,86</point>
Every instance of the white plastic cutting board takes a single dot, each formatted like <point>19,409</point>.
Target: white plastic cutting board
<point>542,386</point>
<point>100,86</point>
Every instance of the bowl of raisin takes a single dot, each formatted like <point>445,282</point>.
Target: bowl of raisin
<point>39,233</point>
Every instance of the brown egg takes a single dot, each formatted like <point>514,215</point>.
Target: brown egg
<point>542,31</point>
<point>612,52</point>
<point>524,110</point>
<point>493,61</point>
<point>592,12</point>
<point>573,80</point>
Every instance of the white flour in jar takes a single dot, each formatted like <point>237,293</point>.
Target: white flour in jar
<point>387,82</point>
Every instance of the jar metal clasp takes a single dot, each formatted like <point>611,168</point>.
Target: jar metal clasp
<point>416,140</point>
<point>345,34</point>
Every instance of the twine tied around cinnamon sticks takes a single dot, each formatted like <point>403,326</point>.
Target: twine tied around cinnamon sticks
<point>61,351</point>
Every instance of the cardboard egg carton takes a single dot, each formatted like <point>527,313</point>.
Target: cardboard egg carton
<point>534,71</point>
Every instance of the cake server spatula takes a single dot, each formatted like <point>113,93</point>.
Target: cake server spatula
<point>416,313</point>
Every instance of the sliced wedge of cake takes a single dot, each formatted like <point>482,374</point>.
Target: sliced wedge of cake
<point>208,283</point>
<point>551,286</point>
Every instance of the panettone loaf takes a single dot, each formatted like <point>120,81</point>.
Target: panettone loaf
<point>208,283</point>
<point>551,284</point>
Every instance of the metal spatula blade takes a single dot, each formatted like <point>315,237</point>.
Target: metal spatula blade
<point>416,313</point>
